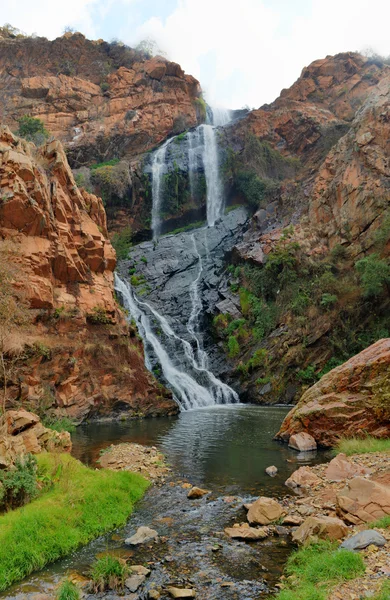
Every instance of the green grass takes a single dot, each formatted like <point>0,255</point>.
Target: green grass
<point>195,225</point>
<point>313,569</point>
<point>382,523</point>
<point>81,505</point>
<point>384,594</point>
<point>60,424</point>
<point>108,573</point>
<point>68,591</point>
<point>364,445</point>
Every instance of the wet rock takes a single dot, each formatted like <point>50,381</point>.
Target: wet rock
<point>264,511</point>
<point>323,528</point>
<point>143,535</point>
<point>244,532</point>
<point>134,582</point>
<point>196,493</point>
<point>271,471</point>
<point>341,468</point>
<point>303,442</point>
<point>362,501</point>
<point>363,539</point>
<point>181,593</point>
<point>301,479</point>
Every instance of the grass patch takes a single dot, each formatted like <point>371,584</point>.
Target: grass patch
<point>382,523</point>
<point>108,573</point>
<point>80,505</point>
<point>59,424</point>
<point>68,591</point>
<point>312,570</point>
<point>384,594</point>
<point>364,445</point>
<point>195,225</point>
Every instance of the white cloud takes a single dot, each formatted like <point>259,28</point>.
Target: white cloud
<point>246,52</point>
<point>49,17</point>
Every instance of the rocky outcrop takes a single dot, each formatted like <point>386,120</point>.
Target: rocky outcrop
<point>101,100</point>
<point>353,399</point>
<point>363,501</point>
<point>22,433</point>
<point>80,358</point>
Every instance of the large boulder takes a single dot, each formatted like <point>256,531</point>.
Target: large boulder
<point>363,539</point>
<point>363,501</point>
<point>302,479</point>
<point>322,527</point>
<point>347,401</point>
<point>341,468</point>
<point>265,511</point>
<point>303,442</point>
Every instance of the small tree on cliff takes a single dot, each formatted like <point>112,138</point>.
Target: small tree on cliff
<point>13,315</point>
<point>32,130</point>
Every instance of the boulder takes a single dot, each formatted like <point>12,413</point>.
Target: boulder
<point>19,420</point>
<point>303,442</point>
<point>322,527</point>
<point>302,479</point>
<point>341,468</point>
<point>142,536</point>
<point>361,540</point>
<point>134,582</point>
<point>244,532</point>
<point>363,501</point>
<point>196,493</point>
<point>294,520</point>
<point>271,471</point>
<point>175,592</point>
<point>264,511</point>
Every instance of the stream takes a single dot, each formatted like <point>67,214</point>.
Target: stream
<point>224,449</point>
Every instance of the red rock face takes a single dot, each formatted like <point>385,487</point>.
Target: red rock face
<point>92,362</point>
<point>351,400</point>
<point>95,97</point>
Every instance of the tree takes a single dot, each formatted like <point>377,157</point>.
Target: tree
<point>32,130</point>
<point>13,315</point>
<point>374,274</point>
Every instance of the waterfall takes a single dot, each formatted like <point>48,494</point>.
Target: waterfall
<point>194,148</point>
<point>221,116</point>
<point>211,169</point>
<point>158,165</point>
<point>192,386</point>
<point>196,308</point>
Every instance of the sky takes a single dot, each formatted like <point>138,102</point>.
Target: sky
<point>243,53</point>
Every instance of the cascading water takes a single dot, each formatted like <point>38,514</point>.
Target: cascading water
<point>158,165</point>
<point>196,308</point>
<point>211,171</point>
<point>221,116</point>
<point>192,386</point>
<point>195,145</point>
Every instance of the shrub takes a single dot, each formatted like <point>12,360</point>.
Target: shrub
<point>307,375</point>
<point>328,300</point>
<point>374,274</point>
<point>104,86</point>
<point>252,187</point>
<point>108,573</point>
<point>233,346</point>
<point>112,180</point>
<point>33,130</point>
<point>68,591</point>
<point>99,316</point>
<point>339,253</point>
<point>18,483</point>
<point>59,423</point>
<point>122,243</point>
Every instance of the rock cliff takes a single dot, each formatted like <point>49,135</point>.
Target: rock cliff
<point>76,353</point>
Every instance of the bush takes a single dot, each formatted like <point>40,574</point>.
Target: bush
<point>99,316</point>
<point>108,573</point>
<point>18,483</point>
<point>374,274</point>
<point>252,187</point>
<point>59,423</point>
<point>328,300</point>
<point>68,591</point>
<point>307,375</point>
<point>233,346</point>
<point>122,242</point>
<point>80,505</point>
<point>32,130</point>
<point>112,180</point>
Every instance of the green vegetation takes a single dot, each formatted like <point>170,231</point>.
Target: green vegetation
<point>382,523</point>
<point>314,569</point>
<point>80,505</point>
<point>363,445</point>
<point>374,274</point>
<point>108,573</point>
<point>58,423</point>
<point>122,242</point>
<point>201,109</point>
<point>68,591</point>
<point>18,484</point>
<point>32,130</point>
<point>384,594</point>
<point>233,346</point>
<point>99,316</point>
<point>112,181</point>
<point>186,228</point>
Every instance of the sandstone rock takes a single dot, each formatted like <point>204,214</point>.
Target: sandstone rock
<point>361,540</point>
<point>175,592</point>
<point>271,471</point>
<point>302,479</point>
<point>196,493</point>
<point>264,511</point>
<point>154,595</point>
<point>294,520</point>
<point>321,527</point>
<point>345,401</point>
<point>142,536</point>
<point>134,582</point>
<point>246,533</point>
<point>303,442</point>
<point>341,468</point>
<point>140,570</point>
<point>19,420</point>
<point>363,501</point>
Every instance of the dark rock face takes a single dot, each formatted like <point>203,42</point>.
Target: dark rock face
<point>180,276</point>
